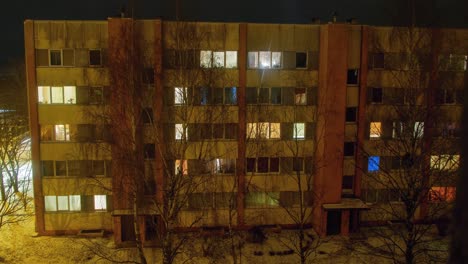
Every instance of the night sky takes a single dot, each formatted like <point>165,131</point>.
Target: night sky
<point>446,13</point>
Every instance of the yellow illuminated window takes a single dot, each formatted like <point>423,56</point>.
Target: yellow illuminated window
<point>375,130</point>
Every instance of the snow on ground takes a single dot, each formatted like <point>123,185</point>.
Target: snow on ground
<point>19,244</point>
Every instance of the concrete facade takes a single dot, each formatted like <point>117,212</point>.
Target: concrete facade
<point>279,109</point>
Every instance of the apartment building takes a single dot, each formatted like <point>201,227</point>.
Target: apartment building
<point>265,120</point>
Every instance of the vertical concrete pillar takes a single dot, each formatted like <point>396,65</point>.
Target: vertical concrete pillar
<point>241,101</point>
<point>345,222</point>
<point>30,62</point>
<point>330,130</point>
<point>158,105</point>
<point>361,120</point>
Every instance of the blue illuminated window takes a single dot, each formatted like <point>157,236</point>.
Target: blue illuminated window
<point>230,95</point>
<point>373,164</point>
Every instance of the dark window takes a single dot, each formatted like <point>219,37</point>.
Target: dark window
<point>218,131</point>
<point>61,168</point>
<point>150,151</point>
<point>251,94</point>
<point>301,59</point>
<point>378,61</point>
<point>206,131</point>
<point>276,95</point>
<point>250,164</point>
<point>42,57</point>
<point>74,168</point>
<point>376,96</point>
<point>98,167</point>
<point>148,76</point>
<point>205,95</point>
<point>274,164</point>
<point>218,96</point>
<point>68,57</point>
<point>151,228</point>
<point>353,76</point>
<point>95,95</point>
<point>147,116</point>
<point>95,57</point>
<point>298,164</point>
<point>47,168</point>
<point>351,114</point>
<point>348,149</point>
<point>347,182</point>
<point>264,96</point>
<point>231,131</point>
<point>262,165</point>
<point>55,57</point>
<point>230,95</point>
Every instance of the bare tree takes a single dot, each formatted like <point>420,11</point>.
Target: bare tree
<point>15,178</point>
<point>412,153</point>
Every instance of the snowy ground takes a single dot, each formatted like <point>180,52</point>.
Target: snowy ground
<point>19,244</point>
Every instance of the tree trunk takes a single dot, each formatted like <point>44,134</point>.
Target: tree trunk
<point>136,226</point>
<point>2,188</point>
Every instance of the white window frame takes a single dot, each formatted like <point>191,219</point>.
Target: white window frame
<point>100,202</point>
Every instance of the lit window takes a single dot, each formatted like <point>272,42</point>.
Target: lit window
<point>263,130</point>
<point>231,59</point>
<point>438,194</point>
<point>375,130</point>
<point>275,130</point>
<point>180,132</point>
<point>418,131</point>
<point>62,202</point>
<point>300,96</point>
<point>265,59</point>
<point>69,94</point>
<point>57,95</point>
<point>43,94</point>
<point>62,132</point>
<point>225,166</point>
<point>180,95</point>
<point>299,131</point>
<point>100,202</point>
<point>55,57</point>
<point>205,58</point>
<point>218,59</point>
<point>50,203</point>
<point>445,162</point>
<point>75,203</point>
<point>276,60</point>
<point>373,164</point>
<point>253,59</point>
<point>181,167</point>
<point>251,130</point>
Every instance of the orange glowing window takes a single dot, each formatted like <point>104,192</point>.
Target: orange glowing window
<point>446,194</point>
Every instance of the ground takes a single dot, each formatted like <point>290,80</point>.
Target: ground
<point>20,244</point>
